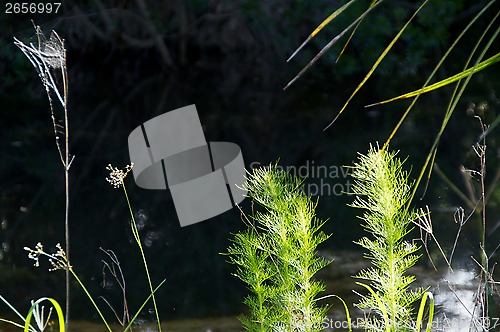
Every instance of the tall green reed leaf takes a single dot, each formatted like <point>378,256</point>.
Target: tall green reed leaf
<point>330,43</point>
<point>376,64</point>
<point>463,74</point>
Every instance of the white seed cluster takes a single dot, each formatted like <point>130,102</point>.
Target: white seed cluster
<point>58,260</point>
<point>117,175</point>
<point>35,254</point>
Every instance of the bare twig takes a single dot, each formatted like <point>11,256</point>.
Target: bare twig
<point>480,150</point>
<point>116,271</point>
<point>424,222</point>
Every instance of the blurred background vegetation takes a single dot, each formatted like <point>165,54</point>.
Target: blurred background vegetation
<point>132,60</point>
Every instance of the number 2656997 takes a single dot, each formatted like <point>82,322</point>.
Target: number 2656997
<point>32,7</point>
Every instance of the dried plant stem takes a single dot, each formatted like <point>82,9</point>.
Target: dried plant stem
<point>116,271</point>
<point>49,57</point>
<point>67,164</point>
<point>480,150</point>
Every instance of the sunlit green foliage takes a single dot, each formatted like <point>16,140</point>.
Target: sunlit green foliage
<point>276,256</point>
<point>382,190</point>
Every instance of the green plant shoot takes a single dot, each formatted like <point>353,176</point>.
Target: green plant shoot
<point>276,255</point>
<point>382,190</point>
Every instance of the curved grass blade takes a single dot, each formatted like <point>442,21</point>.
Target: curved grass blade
<point>346,309</point>
<point>143,305</point>
<point>329,45</point>
<point>480,66</point>
<point>55,304</point>
<point>379,60</point>
<point>421,311</point>
<point>320,27</point>
<point>380,304</point>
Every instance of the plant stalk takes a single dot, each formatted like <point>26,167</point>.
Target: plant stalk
<point>138,240</point>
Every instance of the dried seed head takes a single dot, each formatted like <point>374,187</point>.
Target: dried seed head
<point>116,176</point>
<point>57,260</point>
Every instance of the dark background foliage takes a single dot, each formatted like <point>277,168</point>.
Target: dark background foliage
<point>129,61</point>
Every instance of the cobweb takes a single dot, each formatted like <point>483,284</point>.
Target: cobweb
<point>49,59</point>
<point>45,56</point>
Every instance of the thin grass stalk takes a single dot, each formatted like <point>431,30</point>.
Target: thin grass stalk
<point>12,308</point>
<point>70,269</point>
<point>12,323</point>
<point>135,231</point>
<point>320,27</point>
<point>129,326</point>
<point>67,164</point>
<point>374,2</point>
<point>463,74</point>
<point>16,312</point>
<point>480,150</point>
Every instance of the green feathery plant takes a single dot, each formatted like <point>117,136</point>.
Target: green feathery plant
<point>276,255</point>
<point>474,63</point>
<point>382,190</point>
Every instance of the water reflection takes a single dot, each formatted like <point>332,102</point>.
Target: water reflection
<point>456,301</point>
<point>455,294</point>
